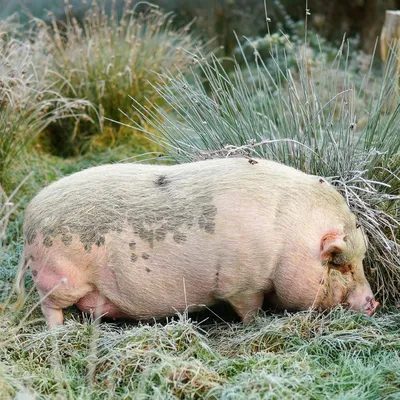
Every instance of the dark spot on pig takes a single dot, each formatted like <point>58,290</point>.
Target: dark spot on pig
<point>145,256</point>
<point>100,241</point>
<point>338,259</point>
<point>179,237</point>
<point>209,211</point>
<point>34,272</point>
<point>162,181</point>
<point>66,239</point>
<point>147,235</point>
<point>252,161</point>
<point>25,262</point>
<point>321,180</point>
<point>47,242</point>
<point>160,233</point>
<point>134,257</point>
<point>132,245</point>
<point>88,239</point>
<point>216,283</point>
<point>148,269</point>
<point>87,247</point>
<point>31,258</point>
<point>202,222</point>
<point>206,220</point>
<point>345,239</point>
<point>30,236</point>
<point>150,219</point>
<point>358,225</point>
<point>210,227</point>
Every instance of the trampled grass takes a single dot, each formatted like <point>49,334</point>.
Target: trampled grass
<point>340,355</point>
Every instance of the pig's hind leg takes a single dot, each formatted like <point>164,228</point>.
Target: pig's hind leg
<point>60,284</point>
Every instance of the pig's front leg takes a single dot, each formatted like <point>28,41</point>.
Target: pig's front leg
<point>247,304</point>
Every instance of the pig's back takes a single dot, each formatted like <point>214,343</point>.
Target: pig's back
<point>106,197</point>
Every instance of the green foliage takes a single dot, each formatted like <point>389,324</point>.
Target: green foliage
<point>281,50</point>
<point>105,60</point>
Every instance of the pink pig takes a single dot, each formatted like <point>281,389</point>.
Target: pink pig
<point>144,241</point>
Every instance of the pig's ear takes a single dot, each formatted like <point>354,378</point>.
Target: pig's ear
<point>333,249</point>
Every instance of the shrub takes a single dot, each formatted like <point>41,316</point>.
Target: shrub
<point>108,58</point>
<point>28,102</point>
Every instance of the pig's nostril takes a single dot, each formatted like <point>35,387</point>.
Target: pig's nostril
<point>371,307</point>
<point>368,299</point>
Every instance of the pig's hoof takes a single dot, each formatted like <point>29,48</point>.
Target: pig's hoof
<point>54,316</point>
<point>248,319</point>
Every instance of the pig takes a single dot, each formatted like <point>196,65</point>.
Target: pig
<point>148,241</point>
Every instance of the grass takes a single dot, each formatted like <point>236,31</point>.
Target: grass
<point>339,355</point>
<point>58,82</point>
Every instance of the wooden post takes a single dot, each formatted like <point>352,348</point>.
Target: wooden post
<point>390,41</point>
<point>390,32</point>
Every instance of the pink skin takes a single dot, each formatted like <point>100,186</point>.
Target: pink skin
<point>360,297</point>
<point>343,282</point>
<point>62,281</point>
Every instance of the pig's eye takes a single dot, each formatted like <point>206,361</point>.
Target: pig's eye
<point>344,269</point>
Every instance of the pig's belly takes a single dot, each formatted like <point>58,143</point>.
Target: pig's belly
<point>140,307</point>
<point>149,290</point>
<point>157,296</point>
<point>160,281</point>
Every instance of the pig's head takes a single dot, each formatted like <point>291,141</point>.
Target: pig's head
<point>335,276</point>
<point>344,281</point>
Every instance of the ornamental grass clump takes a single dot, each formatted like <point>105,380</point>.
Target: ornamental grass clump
<point>105,59</point>
<point>28,101</point>
<point>306,118</point>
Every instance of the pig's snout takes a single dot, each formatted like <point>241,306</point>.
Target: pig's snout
<point>362,303</point>
<point>371,306</point>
